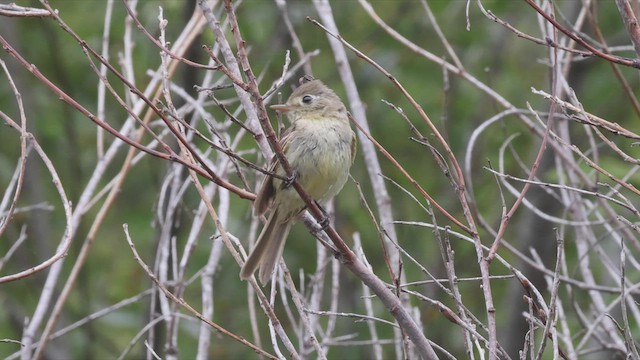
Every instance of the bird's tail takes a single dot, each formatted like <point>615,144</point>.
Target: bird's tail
<point>268,249</point>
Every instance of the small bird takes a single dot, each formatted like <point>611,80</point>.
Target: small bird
<point>320,147</point>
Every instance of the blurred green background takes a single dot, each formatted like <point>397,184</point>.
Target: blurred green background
<point>510,65</point>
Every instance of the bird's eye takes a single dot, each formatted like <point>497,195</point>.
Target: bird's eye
<point>307,99</point>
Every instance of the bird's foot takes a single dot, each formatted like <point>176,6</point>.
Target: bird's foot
<point>288,182</point>
<point>324,222</point>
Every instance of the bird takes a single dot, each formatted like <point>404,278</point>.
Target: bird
<point>320,147</point>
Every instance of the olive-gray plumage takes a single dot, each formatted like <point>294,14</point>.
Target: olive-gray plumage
<point>320,147</point>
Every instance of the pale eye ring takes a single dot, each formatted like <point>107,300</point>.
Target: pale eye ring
<point>307,99</point>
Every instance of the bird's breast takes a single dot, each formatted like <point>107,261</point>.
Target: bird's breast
<point>321,156</point>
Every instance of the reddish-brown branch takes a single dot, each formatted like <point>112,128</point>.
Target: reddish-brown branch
<point>630,20</point>
<point>186,305</point>
<point>171,156</point>
<point>346,256</point>
<point>459,188</point>
<point>159,45</point>
<point>251,86</point>
<point>635,63</point>
<point>413,182</point>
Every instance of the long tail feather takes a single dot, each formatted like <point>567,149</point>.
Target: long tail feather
<point>268,249</point>
<point>273,252</point>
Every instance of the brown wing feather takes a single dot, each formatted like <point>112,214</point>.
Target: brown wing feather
<point>266,192</point>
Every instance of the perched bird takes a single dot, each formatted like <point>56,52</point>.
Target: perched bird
<point>320,147</point>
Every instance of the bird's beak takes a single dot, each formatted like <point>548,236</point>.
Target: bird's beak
<point>281,107</point>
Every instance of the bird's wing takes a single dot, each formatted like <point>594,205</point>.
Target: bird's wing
<point>267,191</point>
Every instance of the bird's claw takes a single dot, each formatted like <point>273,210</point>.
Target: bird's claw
<point>324,222</point>
<point>288,182</point>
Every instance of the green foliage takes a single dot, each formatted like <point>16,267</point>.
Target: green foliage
<point>510,65</point>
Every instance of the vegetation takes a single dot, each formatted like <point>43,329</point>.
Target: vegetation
<point>492,210</point>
